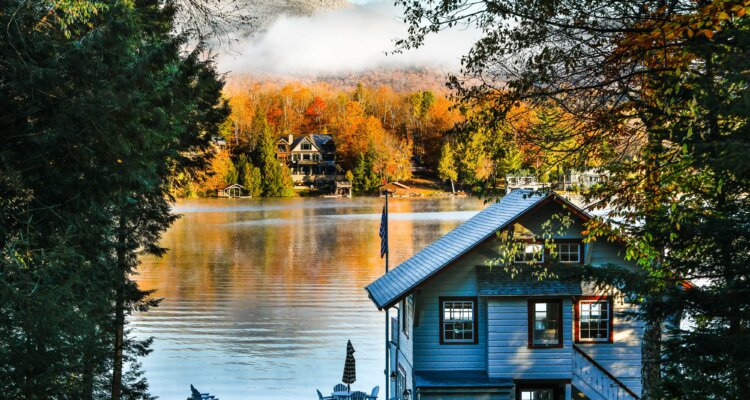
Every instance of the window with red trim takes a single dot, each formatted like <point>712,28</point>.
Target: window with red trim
<point>594,322</point>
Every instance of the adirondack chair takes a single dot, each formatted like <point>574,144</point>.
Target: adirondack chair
<point>358,395</point>
<point>374,394</point>
<point>321,397</point>
<point>196,395</point>
<point>339,388</point>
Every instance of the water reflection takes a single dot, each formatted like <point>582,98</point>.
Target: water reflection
<point>260,296</point>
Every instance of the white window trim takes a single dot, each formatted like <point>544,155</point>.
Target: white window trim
<point>472,322</point>
<point>407,314</point>
<point>533,397</point>
<point>400,382</point>
<point>523,253</point>
<point>578,253</point>
<point>607,320</point>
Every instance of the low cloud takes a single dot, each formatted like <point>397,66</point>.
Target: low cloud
<point>352,39</point>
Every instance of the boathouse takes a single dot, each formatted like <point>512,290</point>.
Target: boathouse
<point>233,190</point>
<point>395,189</point>
<point>463,330</point>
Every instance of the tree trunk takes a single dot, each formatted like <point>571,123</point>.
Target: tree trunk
<point>453,187</point>
<point>119,312</point>
<point>88,373</point>
<point>651,355</point>
<point>119,333</point>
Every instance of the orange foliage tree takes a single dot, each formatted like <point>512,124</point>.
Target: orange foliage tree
<point>365,119</point>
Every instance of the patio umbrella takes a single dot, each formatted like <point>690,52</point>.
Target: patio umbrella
<point>350,374</point>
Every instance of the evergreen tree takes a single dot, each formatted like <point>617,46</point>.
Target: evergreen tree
<point>365,179</point>
<point>112,108</point>
<point>254,181</point>
<point>249,176</point>
<point>276,178</point>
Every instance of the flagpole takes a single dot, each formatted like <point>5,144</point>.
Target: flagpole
<point>387,317</point>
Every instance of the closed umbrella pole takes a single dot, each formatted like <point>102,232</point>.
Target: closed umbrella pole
<point>350,373</point>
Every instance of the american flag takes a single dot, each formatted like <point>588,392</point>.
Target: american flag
<point>383,233</point>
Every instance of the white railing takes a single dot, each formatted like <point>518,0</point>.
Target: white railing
<point>599,379</point>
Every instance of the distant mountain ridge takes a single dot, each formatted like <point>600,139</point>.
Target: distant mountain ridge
<point>400,80</point>
<point>266,11</point>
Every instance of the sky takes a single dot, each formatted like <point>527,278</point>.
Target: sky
<point>352,39</point>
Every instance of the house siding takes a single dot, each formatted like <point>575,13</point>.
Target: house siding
<point>622,357</point>
<point>533,223</point>
<point>607,253</point>
<point>459,280</point>
<point>404,352</point>
<point>507,350</point>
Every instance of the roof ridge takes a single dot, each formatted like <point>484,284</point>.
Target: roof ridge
<point>397,282</point>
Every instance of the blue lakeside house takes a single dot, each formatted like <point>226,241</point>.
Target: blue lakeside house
<point>465,331</point>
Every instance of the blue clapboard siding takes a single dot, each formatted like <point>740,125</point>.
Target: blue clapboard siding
<point>405,356</point>
<point>429,354</point>
<point>604,253</point>
<point>622,358</point>
<point>507,352</point>
<point>532,224</point>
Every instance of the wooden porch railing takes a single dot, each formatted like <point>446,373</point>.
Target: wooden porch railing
<point>598,378</point>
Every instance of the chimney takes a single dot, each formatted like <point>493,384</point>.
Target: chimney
<point>290,139</point>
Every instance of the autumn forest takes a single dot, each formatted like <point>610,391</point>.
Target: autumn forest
<point>381,135</point>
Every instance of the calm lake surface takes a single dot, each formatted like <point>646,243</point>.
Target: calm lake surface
<point>260,296</point>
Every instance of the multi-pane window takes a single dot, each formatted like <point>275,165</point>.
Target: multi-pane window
<point>594,318</point>
<point>537,394</point>
<point>545,323</point>
<point>408,312</point>
<point>531,252</point>
<point>458,321</point>
<point>569,252</point>
<point>306,146</point>
<point>400,382</point>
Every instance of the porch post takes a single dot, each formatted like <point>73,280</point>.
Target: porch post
<point>387,314</point>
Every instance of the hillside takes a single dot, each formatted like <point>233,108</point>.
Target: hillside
<point>264,12</point>
<point>399,80</point>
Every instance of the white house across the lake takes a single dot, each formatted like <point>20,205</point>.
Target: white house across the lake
<point>467,331</point>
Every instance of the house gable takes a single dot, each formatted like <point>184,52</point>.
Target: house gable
<point>399,282</point>
<point>297,147</point>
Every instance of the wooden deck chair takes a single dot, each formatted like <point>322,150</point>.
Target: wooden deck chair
<point>359,396</point>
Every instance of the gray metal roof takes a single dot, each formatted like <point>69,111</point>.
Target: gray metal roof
<point>391,287</point>
<point>498,282</point>
<point>458,379</point>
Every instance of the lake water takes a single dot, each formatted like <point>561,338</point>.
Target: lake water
<point>260,296</point>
